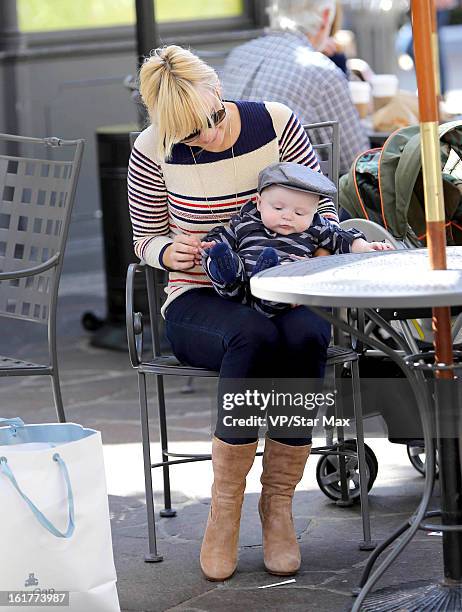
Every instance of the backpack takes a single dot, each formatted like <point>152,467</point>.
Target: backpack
<point>385,185</point>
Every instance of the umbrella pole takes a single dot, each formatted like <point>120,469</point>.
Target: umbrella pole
<point>423,14</point>
<point>436,53</point>
<point>445,595</point>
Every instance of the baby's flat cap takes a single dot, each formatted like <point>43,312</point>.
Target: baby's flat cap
<point>296,176</point>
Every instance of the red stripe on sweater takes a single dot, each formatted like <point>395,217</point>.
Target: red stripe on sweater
<point>209,206</point>
<point>188,280</point>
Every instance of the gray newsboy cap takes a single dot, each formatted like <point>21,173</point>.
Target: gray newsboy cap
<point>296,176</point>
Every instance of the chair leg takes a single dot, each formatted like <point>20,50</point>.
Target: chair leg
<point>53,354</point>
<point>168,511</point>
<point>189,386</point>
<point>153,556</point>
<point>367,543</point>
<point>57,394</point>
<point>346,500</point>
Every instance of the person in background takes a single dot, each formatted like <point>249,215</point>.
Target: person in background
<point>285,65</point>
<point>331,48</point>
<point>443,15</point>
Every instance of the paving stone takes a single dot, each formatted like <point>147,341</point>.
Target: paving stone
<point>143,594</point>
<point>261,600</point>
<point>139,582</point>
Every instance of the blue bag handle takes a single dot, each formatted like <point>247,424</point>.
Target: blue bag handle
<point>4,467</point>
<point>15,422</point>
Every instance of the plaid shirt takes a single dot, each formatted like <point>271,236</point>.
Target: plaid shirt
<point>283,67</point>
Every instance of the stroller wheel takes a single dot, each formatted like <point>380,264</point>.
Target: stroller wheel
<point>416,454</point>
<point>328,472</point>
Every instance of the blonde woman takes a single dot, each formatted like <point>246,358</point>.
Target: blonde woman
<point>191,170</point>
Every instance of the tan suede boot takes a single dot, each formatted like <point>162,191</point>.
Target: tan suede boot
<point>283,467</point>
<point>231,464</point>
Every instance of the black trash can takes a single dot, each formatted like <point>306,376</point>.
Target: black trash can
<point>113,148</point>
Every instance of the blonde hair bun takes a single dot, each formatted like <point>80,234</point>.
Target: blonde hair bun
<point>173,82</point>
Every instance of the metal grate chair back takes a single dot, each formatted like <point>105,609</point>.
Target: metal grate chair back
<point>36,195</point>
<point>328,153</point>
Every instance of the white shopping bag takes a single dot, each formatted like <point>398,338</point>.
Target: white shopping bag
<point>55,535</point>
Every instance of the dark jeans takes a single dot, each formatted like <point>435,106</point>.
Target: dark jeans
<point>206,330</point>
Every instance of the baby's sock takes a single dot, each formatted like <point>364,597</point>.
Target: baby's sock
<point>268,259</point>
<point>223,264</point>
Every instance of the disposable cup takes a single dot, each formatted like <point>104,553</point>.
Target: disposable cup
<point>384,89</point>
<point>360,92</point>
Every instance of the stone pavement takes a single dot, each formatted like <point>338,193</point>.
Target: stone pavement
<point>100,391</point>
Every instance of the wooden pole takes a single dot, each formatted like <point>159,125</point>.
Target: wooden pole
<point>436,54</point>
<point>422,11</point>
<point>447,418</point>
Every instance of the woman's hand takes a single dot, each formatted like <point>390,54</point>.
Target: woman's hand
<point>183,253</point>
<point>362,246</point>
<point>204,250</point>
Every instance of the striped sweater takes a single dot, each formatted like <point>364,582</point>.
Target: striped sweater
<point>168,198</point>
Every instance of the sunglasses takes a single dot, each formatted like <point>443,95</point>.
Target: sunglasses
<point>217,117</point>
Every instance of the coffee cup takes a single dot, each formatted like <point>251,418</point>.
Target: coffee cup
<point>360,92</point>
<point>384,89</point>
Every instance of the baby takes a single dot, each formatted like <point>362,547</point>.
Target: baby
<point>282,226</point>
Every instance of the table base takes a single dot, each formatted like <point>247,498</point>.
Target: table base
<point>405,598</point>
<point>415,597</point>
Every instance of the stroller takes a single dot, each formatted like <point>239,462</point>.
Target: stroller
<point>384,195</point>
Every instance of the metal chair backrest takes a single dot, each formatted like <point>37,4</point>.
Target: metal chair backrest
<point>328,152</point>
<point>37,189</point>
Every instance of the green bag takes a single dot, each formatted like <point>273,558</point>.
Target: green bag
<point>385,185</point>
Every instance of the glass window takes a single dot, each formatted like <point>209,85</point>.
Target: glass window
<point>47,15</point>
<point>179,10</point>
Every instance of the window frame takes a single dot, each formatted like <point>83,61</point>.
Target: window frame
<point>253,17</point>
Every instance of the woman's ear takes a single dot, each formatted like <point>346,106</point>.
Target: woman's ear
<point>258,201</point>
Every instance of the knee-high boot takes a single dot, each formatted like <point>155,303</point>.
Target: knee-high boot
<point>231,464</point>
<point>283,467</point>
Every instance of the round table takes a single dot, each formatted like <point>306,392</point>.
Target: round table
<point>390,279</point>
<point>381,279</point>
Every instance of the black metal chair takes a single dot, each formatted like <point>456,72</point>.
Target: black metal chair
<point>38,179</point>
<point>161,365</point>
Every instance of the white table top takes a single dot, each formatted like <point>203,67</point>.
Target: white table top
<point>369,280</point>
